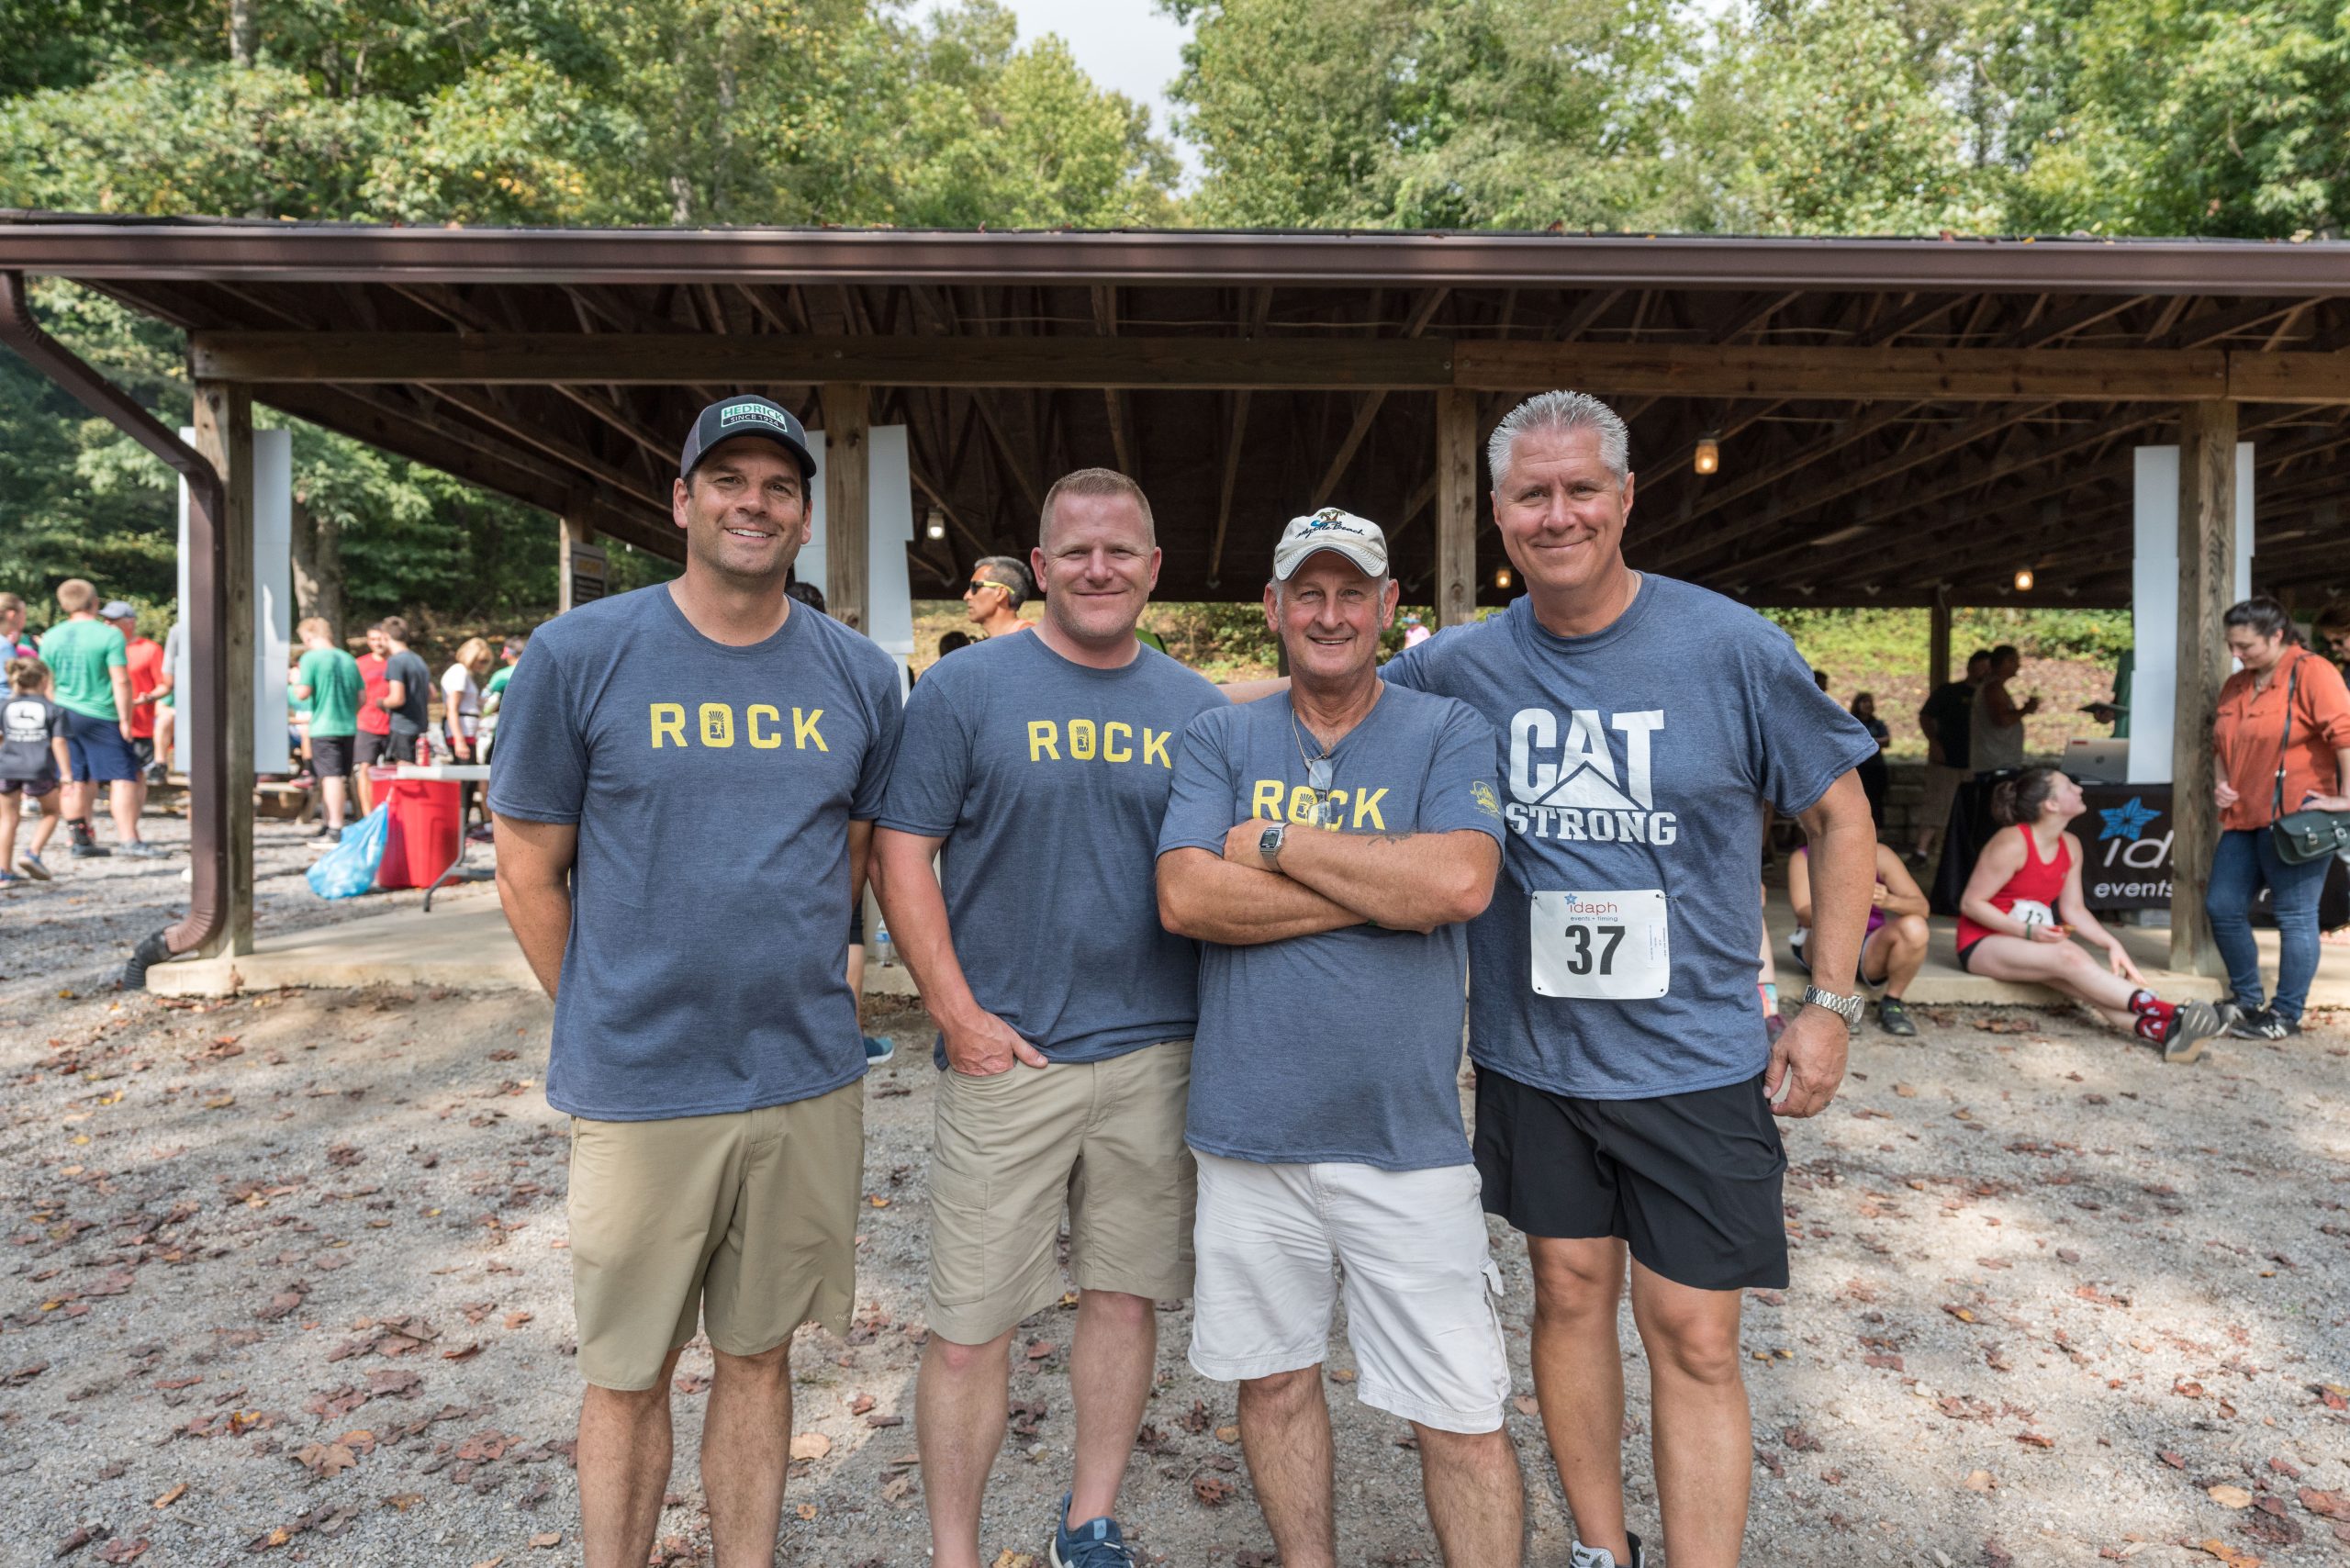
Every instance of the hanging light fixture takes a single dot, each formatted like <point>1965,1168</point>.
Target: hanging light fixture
<point>1501,577</point>
<point>2023,580</point>
<point>1709,452</point>
<point>936,528</point>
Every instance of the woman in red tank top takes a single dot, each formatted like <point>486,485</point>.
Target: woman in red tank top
<point>2022,906</point>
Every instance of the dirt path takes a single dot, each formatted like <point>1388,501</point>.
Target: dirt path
<point>286,1281</point>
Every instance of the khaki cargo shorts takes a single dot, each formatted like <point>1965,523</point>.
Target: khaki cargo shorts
<point>745,1223</point>
<point>1105,1138</point>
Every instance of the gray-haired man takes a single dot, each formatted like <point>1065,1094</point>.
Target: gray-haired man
<point>1326,848</point>
<point>999,587</point>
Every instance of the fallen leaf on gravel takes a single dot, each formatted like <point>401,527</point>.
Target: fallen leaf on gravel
<point>1960,1313</point>
<point>491,1562</point>
<point>516,1319</point>
<point>1008,1558</point>
<point>810,1445</point>
<point>24,1373</point>
<point>121,1551</point>
<point>403,1501</point>
<point>326,1459</point>
<point>1994,1554</point>
<point>1800,1441</point>
<point>1342,1374</point>
<point>1228,1434</point>
<point>2229,1496</point>
<point>881,1422</point>
<point>1039,1348</point>
<point>897,1489</point>
<point>1908,1091</point>
<point>392,1383</point>
<point>1213,1490</point>
<point>173,1496</point>
<point>2036,1440</point>
<point>1981,1481</point>
<point>860,1404</point>
<point>549,1539</point>
<point>2226,1553</point>
<point>807,1512</point>
<point>462,1353</point>
<point>2175,1461</point>
<point>2326,1504</point>
<point>81,1537</point>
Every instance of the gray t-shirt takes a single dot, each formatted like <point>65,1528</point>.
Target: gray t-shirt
<point>1047,781</point>
<point>414,715</point>
<point>1344,1045</point>
<point>713,787</point>
<point>28,722</point>
<point>1617,960</point>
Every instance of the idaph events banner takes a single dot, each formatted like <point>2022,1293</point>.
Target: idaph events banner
<point>2126,840</point>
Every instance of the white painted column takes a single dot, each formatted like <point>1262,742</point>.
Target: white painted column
<point>2153,600</point>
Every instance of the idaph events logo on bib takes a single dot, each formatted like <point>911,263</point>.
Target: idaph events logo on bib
<point>1565,781</point>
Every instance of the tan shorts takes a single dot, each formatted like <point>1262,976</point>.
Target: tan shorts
<point>1942,788</point>
<point>745,1223</point>
<point>1106,1139</point>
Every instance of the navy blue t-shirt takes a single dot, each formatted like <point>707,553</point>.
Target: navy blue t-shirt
<point>713,787</point>
<point>1047,779</point>
<point>1343,1046</point>
<point>1617,958</point>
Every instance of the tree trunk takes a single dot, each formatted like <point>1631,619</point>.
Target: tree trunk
<point>318,569</point>
<point>241,31</point>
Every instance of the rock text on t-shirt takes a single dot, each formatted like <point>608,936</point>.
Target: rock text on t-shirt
<point>714,726</point>
<point>1088,740</point>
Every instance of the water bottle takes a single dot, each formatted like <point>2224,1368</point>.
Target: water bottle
<point>879,950</point>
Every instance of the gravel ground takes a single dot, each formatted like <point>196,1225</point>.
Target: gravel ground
<point>287,1279</point>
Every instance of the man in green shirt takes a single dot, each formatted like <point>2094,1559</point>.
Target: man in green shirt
<point>89,663</point>
<point>328,680</point>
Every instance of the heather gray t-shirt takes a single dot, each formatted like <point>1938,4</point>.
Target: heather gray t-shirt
<point>1047,781</point>
<point>1617,958</point>
<point>1344,1045</point>
<point>713,787</point>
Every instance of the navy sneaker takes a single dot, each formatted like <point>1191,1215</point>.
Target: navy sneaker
<point>878,1049</point>
<point>1096,1543</point>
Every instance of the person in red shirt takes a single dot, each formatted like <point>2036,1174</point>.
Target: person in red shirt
<point>149,679</point>
<point>2022,905</point>
<point>2280,743</point>
<point>375,724</point>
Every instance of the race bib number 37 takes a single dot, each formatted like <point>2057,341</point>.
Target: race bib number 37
<point>1610,946</point>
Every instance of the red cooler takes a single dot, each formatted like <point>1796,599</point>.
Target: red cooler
<point>426,816</point>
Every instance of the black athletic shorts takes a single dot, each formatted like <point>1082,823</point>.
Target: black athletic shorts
<point>331,756</point>
<point>1692,1182</point>
<point>367,748</point>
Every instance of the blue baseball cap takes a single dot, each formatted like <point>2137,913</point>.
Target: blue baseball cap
<point>746,415</point>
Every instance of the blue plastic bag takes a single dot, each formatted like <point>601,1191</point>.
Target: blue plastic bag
<point>349,868</point>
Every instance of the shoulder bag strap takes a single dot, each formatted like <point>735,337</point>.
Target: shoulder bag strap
<point>2292,685</point>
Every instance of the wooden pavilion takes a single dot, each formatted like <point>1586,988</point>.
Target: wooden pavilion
<point>1897,421</point>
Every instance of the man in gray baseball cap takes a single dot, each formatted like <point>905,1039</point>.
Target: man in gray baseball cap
<point>748,415</point>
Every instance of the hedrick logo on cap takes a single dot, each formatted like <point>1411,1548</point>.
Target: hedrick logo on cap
<point>734,414</point>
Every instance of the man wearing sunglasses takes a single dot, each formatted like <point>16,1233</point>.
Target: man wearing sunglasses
<point>999,587</point>
<point>1326,1109</point>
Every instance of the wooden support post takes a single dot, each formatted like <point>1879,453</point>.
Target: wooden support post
<point>1938,645</point>
<point>2207,571</point>
<point>582,570</point>
<point>847,489</point>
<point>224,434</point>
<point>1456,508</point>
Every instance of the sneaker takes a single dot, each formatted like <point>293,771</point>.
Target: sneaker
<point>8,879</point>
<point>31,867</point>
<point>331,835</point>
<point>90,851</point>
<point>139,849</point>
<point>1096,1543</point>
<point>2191,1027</point>
<point>879,1050</point>
<point>1894,1018</point>
<point>1592,1557</point>
<point>2266,1025</point>
<point>2237,1019</point>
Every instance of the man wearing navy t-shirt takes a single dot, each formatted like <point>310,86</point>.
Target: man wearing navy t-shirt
<point>685,785</point>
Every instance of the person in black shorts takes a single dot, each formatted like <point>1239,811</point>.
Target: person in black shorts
<point>1625,1085</point>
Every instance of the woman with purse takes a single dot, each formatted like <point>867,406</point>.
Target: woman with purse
<point>2281,743</point>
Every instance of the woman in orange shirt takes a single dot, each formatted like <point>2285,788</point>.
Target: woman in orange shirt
<point>2281,743</point>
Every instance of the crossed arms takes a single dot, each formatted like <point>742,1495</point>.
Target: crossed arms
<point>1326,880</point>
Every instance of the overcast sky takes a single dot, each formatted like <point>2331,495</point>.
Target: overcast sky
<point>1128,46</point>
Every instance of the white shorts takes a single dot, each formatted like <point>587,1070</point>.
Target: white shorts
<point>1273,1243</point>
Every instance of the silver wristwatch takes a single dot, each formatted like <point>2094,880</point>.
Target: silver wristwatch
<point>1269,844</point>
<point>1848,1008</point>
